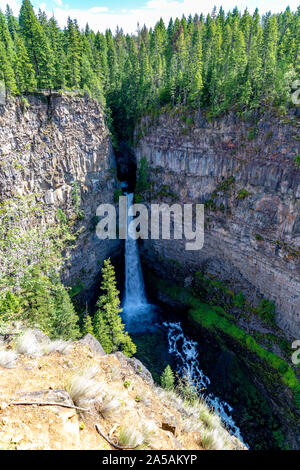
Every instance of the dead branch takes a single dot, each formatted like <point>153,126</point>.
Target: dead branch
<point>111,442</point>
<point>45,403</point>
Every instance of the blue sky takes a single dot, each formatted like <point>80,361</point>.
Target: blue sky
<point>102,14</point>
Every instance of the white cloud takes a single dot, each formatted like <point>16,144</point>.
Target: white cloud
<point>153,10</point>
<point>14,5</point>
<point>98,9</point>
<point>102,17</point>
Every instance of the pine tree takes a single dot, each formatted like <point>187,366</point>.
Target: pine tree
<point>196,82</point>
<point>64,320</point>
<point>37,44</point>
<point>55,37</point>
<point>167,378</point>
<point>87,325</point>
<point>6,71</point>
<point>269,55</point>
<point>221,62</point>
<point>12,22</point>
<point>108,326</point>
<point>46,304</point>
<point>73,53</point>
<point>24,70</point>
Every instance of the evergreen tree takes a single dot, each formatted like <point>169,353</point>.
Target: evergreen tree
<point>24,70</point>
<point>12,22</point>
<point>46,304</point>
<point>221,62</point>
<point>73,54</point>
<point>87,325</point>
<point>108,326</point>
<point>167,378</point>
<point>37,44</point>
<point>6,71</point>
<point>55,37</point>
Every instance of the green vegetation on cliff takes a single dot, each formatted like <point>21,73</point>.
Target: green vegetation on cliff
<point>31,259</point>
<point>216,319</point>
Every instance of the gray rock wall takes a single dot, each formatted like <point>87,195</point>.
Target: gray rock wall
<point>252,223</point>
<point>44,149</point>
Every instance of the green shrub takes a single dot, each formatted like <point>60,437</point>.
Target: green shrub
<point>87,327</point>
<point>252,134</point>
<point>258,237</point>
<point>142,176</point>
<point>239,300</point>
<point>266,310</point>
<point>225,185</point>
<point>297,161</point>
<point>167,378</point>
<point>242,194</point>
<point>187,389</point>
<point>117,193</point>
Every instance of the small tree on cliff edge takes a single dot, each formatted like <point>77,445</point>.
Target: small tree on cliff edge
<point>108,326</point>
<point>167,378</point>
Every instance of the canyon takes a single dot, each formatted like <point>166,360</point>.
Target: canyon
<point>58,148</point>
<point>56,145</point>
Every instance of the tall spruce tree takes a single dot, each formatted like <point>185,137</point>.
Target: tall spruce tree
<point>108,326</point>
<point>37,44</point>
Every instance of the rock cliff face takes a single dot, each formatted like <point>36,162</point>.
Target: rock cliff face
<point>245,175</point>
<point>58,148</point>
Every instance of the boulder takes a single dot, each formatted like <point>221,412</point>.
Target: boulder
<point>93,344</point>
<point>141,370</point>
<point>137,366</point>
<point>40,337</point>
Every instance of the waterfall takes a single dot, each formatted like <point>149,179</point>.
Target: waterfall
<point>137,312</point>
<point>135,296</point>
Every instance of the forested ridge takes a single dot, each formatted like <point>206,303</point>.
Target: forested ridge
<point>216,62</point>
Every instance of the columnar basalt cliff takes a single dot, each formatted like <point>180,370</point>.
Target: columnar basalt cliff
<point>59,149</point>
<point>245,174</point>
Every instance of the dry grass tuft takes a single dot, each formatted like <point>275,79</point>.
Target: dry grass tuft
<point>8,359</point>
<point>108,405</point>
<point>199,417</point>
<point>27,344</point>
<point>137,435</point>
<point>83,388</point>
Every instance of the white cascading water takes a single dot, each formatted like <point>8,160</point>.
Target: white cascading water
<point>135,296</point>
<point>186,355</point>
<point>139,315</point>
<point>136,309</point>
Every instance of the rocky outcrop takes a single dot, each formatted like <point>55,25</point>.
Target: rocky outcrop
<point>93,344</point>
<point>245,175</point>
<point>59,148</point>
<point>39,408</point>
